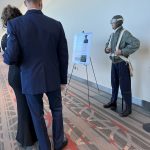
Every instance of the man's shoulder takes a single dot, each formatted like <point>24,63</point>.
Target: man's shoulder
<point>127,32</point>
<point>15,20</point>
<point>52,20</point>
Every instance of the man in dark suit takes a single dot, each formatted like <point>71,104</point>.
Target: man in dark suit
<point>38,45</point>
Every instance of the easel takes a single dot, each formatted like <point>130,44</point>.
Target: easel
<point>74,65</point>
<point>86,66</point>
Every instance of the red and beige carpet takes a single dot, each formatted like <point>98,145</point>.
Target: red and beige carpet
<point>87,128</point>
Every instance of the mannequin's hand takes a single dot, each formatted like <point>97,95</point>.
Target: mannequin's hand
<point>118,52</point>
<point>108,50</point>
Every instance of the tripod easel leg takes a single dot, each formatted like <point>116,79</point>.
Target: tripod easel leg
<point>70,79</point>
<point>88,86</point>
<point>94,75</point>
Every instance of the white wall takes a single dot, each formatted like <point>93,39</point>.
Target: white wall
<point>95,15</point>
<point>4,3</point>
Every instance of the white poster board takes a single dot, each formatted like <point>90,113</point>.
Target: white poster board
<point>82,47</point>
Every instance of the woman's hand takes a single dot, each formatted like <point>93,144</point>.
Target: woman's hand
<point>118,52</point>
<point>63,87</point>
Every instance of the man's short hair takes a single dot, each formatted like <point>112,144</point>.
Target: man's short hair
<point>34,1</point>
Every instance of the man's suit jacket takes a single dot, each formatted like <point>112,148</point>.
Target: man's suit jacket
<point>38,44</point>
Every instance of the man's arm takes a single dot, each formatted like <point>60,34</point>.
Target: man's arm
<point>12,53</point>
<point>107,48</point>
<point>133,44</point>
<point>63,56</point>
<point>4,42</point>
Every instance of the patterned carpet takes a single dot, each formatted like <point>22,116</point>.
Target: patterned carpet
<point>87,128</point>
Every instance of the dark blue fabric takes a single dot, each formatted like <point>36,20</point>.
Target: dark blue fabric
<point>4,42</point>
<point>120,75</point>
<point>38,44</point>
<point>36,107</point>
<point>25,132</point>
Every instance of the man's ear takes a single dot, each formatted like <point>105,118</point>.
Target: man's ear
<point>41,5</point>
<point>25,3</point>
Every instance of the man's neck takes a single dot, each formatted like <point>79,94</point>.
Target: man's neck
<point>34,8</point>
<point>117,28</point>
